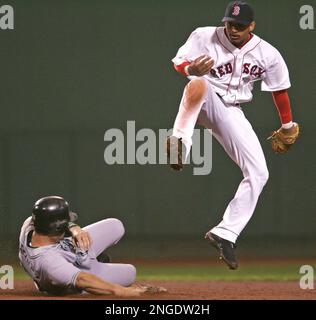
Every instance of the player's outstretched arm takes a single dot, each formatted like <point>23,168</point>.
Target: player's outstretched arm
<point>95,285</point>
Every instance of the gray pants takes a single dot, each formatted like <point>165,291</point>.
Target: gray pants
<point>105,234</point>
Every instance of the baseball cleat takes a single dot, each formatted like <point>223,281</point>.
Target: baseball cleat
<point>175,152</point>
<point>225,248</point>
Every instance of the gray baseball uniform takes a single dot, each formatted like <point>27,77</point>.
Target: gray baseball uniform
<point>54,268</point>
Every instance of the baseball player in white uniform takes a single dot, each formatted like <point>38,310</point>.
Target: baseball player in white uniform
<point>222,64</point>
<point>62,265</point>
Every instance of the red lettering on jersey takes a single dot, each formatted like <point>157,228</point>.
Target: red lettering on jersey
<point>253,70</point>
<point>228,68</point>
<point>246,68</point>
<point>260,72</point>
<point>213,73</point>
<point>221,71</point>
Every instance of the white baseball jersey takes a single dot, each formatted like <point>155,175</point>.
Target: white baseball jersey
<point>235,70</point>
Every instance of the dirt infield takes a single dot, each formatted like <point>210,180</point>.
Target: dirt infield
<point>186,290</point>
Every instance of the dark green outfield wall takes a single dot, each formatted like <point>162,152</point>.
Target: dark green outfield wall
<point>72,69</point>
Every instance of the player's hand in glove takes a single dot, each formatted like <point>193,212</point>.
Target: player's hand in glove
<point>201,66</point>
<point>283,139</point>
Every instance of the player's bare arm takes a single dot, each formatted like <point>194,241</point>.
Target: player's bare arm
<point>94,285</point>
<point>200,66</point>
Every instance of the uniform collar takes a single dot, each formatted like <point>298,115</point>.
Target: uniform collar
<point>224,41</point>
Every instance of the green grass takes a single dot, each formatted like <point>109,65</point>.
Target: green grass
<point>245,273</point>
<point>20,274</point>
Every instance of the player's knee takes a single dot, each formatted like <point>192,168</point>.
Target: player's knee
<point>117,227</point>
<point>132,273</point>
<point>265,175</point>
<point>195,91</point>
<point>262,175</point>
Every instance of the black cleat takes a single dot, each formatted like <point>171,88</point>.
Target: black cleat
<point>175,152</point>
<point>104,257</point>
<point>225,248</point>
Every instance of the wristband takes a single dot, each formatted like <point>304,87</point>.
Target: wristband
<point>288,125</point>
<point>186,70</point>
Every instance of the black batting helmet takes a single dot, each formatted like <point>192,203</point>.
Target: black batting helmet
<point>51,215</point>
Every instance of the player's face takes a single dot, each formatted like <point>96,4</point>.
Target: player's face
<point>237,33</point>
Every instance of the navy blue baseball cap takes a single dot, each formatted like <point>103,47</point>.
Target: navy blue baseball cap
<point>239,12</point>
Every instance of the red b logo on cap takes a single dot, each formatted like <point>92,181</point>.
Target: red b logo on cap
<point>236,11</point>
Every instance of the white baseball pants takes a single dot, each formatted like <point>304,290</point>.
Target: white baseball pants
<point>236,135</point>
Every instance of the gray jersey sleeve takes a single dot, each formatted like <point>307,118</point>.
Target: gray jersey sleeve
<point>58,274</point>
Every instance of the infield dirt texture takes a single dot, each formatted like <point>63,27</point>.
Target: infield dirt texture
<point>200,280</point>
